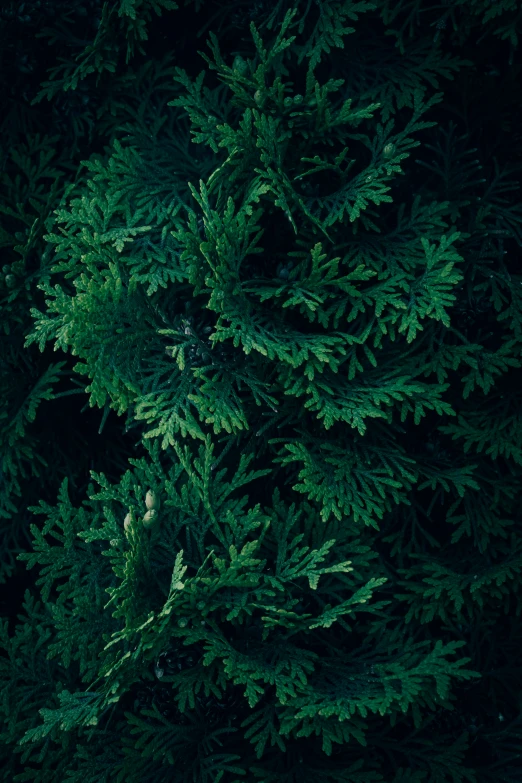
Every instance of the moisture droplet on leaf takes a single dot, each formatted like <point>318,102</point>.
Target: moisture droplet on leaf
<point>239,65</point>
<point>152,500</point>
<point>127,522</point>
<point>150,518</point>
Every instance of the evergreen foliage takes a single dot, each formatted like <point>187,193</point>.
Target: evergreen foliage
<point>288,548</point>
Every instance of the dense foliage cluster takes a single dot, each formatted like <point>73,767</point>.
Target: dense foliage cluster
<point>260,420</point>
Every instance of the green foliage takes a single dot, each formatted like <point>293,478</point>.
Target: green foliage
<point>238,599</point>
<point>497,17</point>
<point>303,563</point>
<point>32,178</point>
<point>124,21</point>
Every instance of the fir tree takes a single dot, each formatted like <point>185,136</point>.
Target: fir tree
<point>299,557</point>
